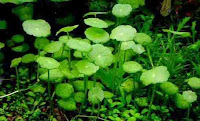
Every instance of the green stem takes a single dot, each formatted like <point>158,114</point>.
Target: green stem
<point>188,114</point>
<point>150,58</point>
<point>63,49</point>
<point>49,91</point>
<point>17,75</point>
<point>38,66</point>
<point>151,102</point>
<point>85,87</point>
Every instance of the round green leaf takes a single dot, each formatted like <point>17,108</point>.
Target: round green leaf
<point>37,28</point>
<point>129,85</point>
<point>121,10</point>
<point>3,24</point>
<point>67,104</point>
<point>95,95</point>
<point>2,45</point>
<point>181,102</point>
<point>86,67</point>
<point>138,48</point>
<point>47,62</point>
<point>64,90</point>
<point>18,38</point>
<point>79,45</point>
<point>158,74</point>
<point>190,96</point>
<point>194,82</point>
<point>123,33</point>
<point>15,62</point>
<point>53,47</point>
<point>21,48</point>
<point>127,45</point>
<point>132,67</point>
<point>67,29</point>
<point>97,35</point>
<point>142,38</point>
<point>79,97</point>
<point>96,22</point>
<point>40,43</point>
<point>102,56</point>
<point>28,58</point>
<point>169,88</point>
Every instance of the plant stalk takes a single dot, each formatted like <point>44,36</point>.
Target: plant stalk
<point>17,75</point>
<point>151,102</point>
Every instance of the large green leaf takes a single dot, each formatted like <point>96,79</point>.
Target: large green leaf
<point>47,62</point>
<point>86,67</point>
<point>15,62</point>
<point>121,10</point>
<point>96,22</point>
<point>95,95</point>
<point>53,47</point>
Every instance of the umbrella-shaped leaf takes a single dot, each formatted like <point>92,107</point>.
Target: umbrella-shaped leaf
<point>121,10</point>
<point>86,67</point>
<point>79,97</point>
<point>37,28</point>
<point>96,22</point>
<point>181,102</point>
<point>15,62</point>
<point>138,48</point>
<point>2,45</point>
<point>21,48</point>
<point>101,55</point>
<point>53,47</point>
<point>64,90</point>
<point>67,104</point>
<point>158,74</point>
<point>127,45</point>
<point>132,67</point>
<point>96,95</point>
<point>190,96</point>
<point>55,75</point>
<point>24,12</point>
<point>94,13</point>
<point>67,29</point>
<point>129,85</point>
<point>28,58</point>
<point>123,33</point>
<point>47,62</point>
<point>16,1</point>
<point>169,88</point>
<point>64,39</point>
<point>79,45</point>
<point>97,35</point>
<point>40,43</point>
<point>194,82</point>
<point>142,38</point>
<point>18,38</point>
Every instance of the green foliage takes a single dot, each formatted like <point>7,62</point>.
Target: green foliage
<point>132,67</point>
<point>67,104</point>
<point>79,97</point>
<point>64,90</point>
<point>28,58</point>
<point>95,95</point>
<point>155,75</point>
<point>96,22</point>
<point>37,28</point>
<point>15,62</point>
<point>194,82</point>
<point>190,96</point>
<point>121,10</point>
<point>181,102</point>
<point>67,29</point>
<point>169,88</point>
<point>142,38</point>
<point>129,85</point>
<point>53,47</point>
<point>3,24</point>
<point>47,62</point>
<point>134,3</point>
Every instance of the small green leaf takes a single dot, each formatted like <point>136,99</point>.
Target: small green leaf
<point>67,29</point>
<point>121,10</point>
<point>169,88</point>
<point>190,96</point>
<point>123,33</point>
<point>101,55</point>
<point>142,38</point>
<point>97,35</point>
<point>40,43</point>
<point>15,62</point>
<point>64,90</point>
<point>127,45</point>
<point>194,82</point>
<point>18,38</point>
<point>94,14</point>
<point>53,47</point>
<point>158,74</point>
<point>138,48</point>
<point>28,58</point>
<point>47,62</point>
<point>67,104</point>
<point>79,97</point>
<point>55,75</point>
<point>95,95</point>
<point>86,67</point>
<point>96,22</point>
<point>37,28</point>
<point>132,67</point>
<point>129,85</point>
<point>79,45</point>
<point>2,45</point>
<point>21,48</point>
<point>181,102</point>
